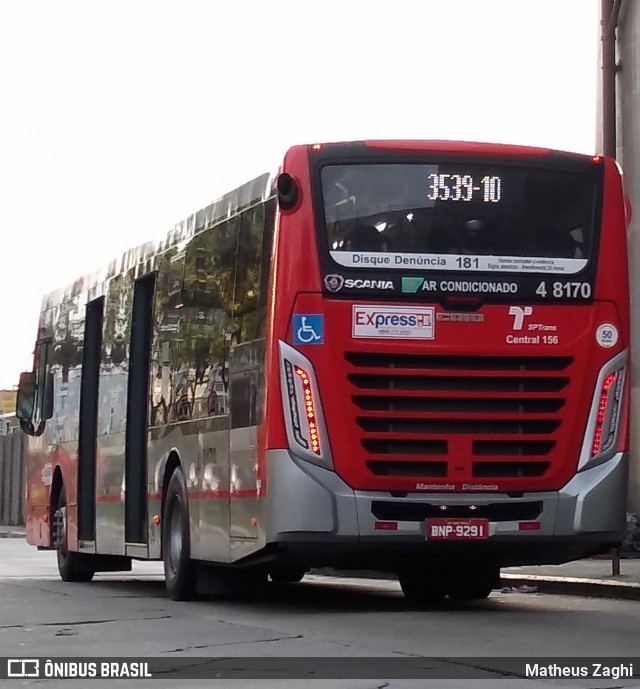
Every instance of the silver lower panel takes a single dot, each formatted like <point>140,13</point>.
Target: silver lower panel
<point>308,505</point>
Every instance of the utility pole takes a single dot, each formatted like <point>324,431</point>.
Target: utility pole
<point>608,38</point>
<point>609,12</point>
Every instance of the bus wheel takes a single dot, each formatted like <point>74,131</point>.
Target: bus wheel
<point>422,587</point>
<point>475,584</point>
<point>179,568</point>
<point>287,574</point>
<point>71,566</point>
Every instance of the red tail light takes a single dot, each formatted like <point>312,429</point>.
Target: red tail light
<point>605,397</point>
<point>607,410</point>
<point>310,410</point>
<point>607,407</point>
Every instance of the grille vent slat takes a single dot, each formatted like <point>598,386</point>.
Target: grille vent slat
<point>476,405</point>
<point>415,469</point>
<point>385,446</point>
<point>457,383</point>
<point>467,426</point>
<point>509,469</point>
<point>513,447</point>
<point>460,363</point>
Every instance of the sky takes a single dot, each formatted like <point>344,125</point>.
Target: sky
<point>119,119</point>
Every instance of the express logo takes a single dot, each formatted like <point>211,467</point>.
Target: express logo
<point>381,320</point>
<point>333,282</point>
<point>394,321</point>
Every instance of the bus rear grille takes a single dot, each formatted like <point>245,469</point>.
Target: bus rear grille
<point>505,410</point>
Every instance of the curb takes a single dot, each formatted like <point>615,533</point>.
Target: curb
<point>568,586</point>
<point>575,586</point>
<point>8,533</point>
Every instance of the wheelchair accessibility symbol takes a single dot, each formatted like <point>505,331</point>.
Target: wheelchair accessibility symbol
<point>308,329</point>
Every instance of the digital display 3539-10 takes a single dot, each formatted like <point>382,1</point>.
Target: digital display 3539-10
<point>477,216</point>
<point>462,187</point>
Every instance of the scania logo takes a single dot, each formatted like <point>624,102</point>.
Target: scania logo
<point>333,282</point>
<point>369,284</point>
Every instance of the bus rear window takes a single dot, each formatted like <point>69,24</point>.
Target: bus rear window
<point>448,216</point>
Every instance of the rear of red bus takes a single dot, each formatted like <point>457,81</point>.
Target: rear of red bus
<point>448,383</point>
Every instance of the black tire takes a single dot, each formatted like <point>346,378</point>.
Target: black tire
<point>179,569</point>
<point>470,591</point>
<point>74,567</point>
<point>422,587</point>
<point>475,584</point>
<point>287,574</point>
<point>235,582</point>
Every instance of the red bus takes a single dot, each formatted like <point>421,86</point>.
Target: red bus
<point>408,356</point>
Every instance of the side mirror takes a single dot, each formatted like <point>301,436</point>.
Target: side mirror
<point>25,399</point>
<point>287,190</point>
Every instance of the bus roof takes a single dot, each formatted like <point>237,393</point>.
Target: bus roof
<point>443,146</point>
<point>257,189</point>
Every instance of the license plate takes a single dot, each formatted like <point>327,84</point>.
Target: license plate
<point>457,529</point>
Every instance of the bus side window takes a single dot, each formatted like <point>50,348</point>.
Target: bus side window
<point>265,264</point>
<point>209,267</point>
<point>192,354</point>
<point>250,310</point>
<point>43,408</point>
<point>252,271</point>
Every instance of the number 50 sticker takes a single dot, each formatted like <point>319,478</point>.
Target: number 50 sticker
<point>607,335</point>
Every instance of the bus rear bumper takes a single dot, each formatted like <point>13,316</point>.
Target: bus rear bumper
<point>314,516</point>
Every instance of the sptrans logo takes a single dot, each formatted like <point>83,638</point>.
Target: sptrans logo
<point>402,322</point>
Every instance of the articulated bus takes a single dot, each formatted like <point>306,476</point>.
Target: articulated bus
<point>407,356</point>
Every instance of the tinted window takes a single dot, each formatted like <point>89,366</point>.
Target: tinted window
<point>252,272</point>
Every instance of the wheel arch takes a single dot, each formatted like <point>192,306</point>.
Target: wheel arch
<point>173,462</point>
<point>57,485</point>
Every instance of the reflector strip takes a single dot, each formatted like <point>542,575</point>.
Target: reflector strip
<point>529,526</point>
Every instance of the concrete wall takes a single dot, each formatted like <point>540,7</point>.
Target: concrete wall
<point>12,478</point>
<point>628,144</point>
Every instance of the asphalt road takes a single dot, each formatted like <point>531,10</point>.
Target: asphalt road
<point>129,615</point>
